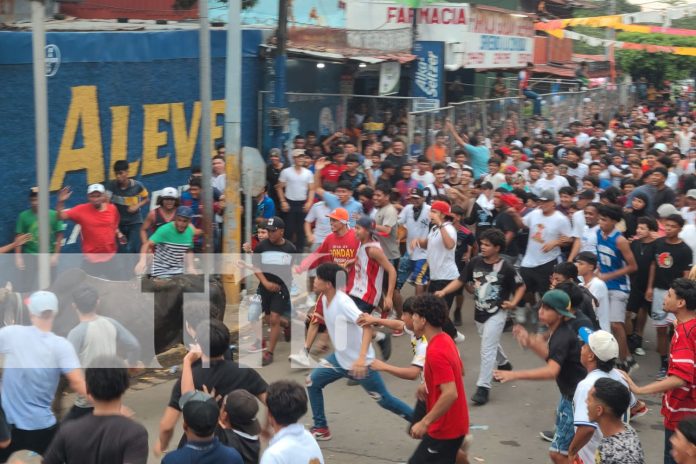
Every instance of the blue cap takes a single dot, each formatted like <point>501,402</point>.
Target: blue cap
<point>184,211</point>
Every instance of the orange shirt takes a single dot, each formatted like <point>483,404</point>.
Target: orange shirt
<point>436,153</point>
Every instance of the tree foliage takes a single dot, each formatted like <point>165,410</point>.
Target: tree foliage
<point>602,9</point>
<point>656,66</point>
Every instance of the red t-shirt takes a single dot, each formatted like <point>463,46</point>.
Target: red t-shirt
<point>443,365</point>
<point>98,230</point>
<point>681,402</point>
<point>332,172</point>
<point>334,249</point>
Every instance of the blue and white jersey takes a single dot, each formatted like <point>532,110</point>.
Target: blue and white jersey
<point>611,259</point>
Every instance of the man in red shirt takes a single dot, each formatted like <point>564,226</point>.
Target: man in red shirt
<point>338,247</point>
<point>679,387</point>
<point>333,171</point>
<point>98,220</point>
<point>446,423</point>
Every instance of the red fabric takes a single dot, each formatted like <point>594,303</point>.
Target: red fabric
<point>98,230</point>
<point>681,402</point>
<point>443,365</point>
<point>334,249</point>
<point>332,172</point>
<point>318,314</point>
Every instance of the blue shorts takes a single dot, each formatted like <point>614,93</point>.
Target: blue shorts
<point>565,427</point>
<point>414,272</point>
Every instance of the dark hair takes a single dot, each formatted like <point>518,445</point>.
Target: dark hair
<point>197,311</point>
<point>567,270</point>
<point>383,187</point>
<point>685,289</point>
<point>286,401</point>
<point>606,366</point>
<point>407,306</point>
<point>86,298</point>
<point>566,191</point>
<point>666,161</point>
<point>586,195</point>
<point>365,192</point>
<point>612,212</point>
<point>345,184</point>
<point>431,308</point>
<point>213,337</point>
<point>613,394</point>
<point>687,427</point>
<point>660,170</point>
<point>550,161</point>
<point>353,158</point>
<point>486,185</point>
<point>676,218</point>
<point>534,167</point>
<point>120,165</point>
<point>196,169</point>
<point>329,271</point>
<point>219,157</point>
<point>423,159</point>
<point>195,182</point>
<point>574,292</point>
<point>494,160</point>
<point>649,222</point>
<point>106,378</point>
<point>439,166</point>
<point>495,237</point>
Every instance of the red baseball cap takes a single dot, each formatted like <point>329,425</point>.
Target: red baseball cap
<point>442,206</point>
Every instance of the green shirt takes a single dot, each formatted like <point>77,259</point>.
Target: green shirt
<point>171,247</point>
<point>27,223</point>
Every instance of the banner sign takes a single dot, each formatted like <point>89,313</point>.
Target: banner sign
<point>428,78</point>
<point>389,77</point>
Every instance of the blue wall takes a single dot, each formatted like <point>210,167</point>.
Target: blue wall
<point>107,86</point>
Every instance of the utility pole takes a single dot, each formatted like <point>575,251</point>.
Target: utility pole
<point>206,143</point>
<point>233,148</point>
<point>279,113</point>
<point>611,35</point>
<point>38,39</point>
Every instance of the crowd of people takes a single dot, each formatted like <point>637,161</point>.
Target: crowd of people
<point>571,241</point>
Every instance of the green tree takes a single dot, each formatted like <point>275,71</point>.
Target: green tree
<point>602,9</point>
<point>656,66</point>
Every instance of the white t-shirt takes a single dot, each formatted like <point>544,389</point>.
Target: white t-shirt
<point>579,172</point>
<point>496,179</point>
<point>581,416</point>
<point>544,229</point>
<point>582,139</point>
<point>441,263</point>
<point>554,184</point>
<point>322,225</point>
<point>296,183</point>
<point>417,228</point>
<point>424,179</point>
<point>586,234</point>
<point>689,216</point>
<point>292,444</point>
<point>341,319</point>
<point>598,289</point>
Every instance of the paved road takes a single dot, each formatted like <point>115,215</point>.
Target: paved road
<point>506,430</point>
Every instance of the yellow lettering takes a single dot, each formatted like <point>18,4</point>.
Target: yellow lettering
<point>185,139</point>
<point>119,140</point>
<point>153,138</point>
<point>83,112</point>
<point>217,107</point>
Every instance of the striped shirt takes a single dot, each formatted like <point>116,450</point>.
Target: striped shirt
<point>681,402</point>
<point>171,247</point>
<point>367,280</point>
<point>133,194</point>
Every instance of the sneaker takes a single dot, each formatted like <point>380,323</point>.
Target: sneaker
<point>321,433</point>
<point>294,289</point>
<point>385,346</point>
<point>301,359</point>
<point>505,367</point>
<point>397,333</point>
<point>661,374</point>
<point>547,435</point>
<point>640,412</point>
<point>257,346</point>
<point>459,338</point>
<point>267,358</point>
<point>639,351</point>
<point>481,396</point>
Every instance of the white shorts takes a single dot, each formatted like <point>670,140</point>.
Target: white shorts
<point>617,305</point>
<point>658,315</point>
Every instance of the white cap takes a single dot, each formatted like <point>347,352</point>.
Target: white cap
<point>517,143</point>
<point>666,209</point>
<point>660,146</point>
<point>454,166</point>
<point>691,194</point>
<point>602,343</point>
<point>169,192</point>
<point>96,188</point>
<point>42,301</point>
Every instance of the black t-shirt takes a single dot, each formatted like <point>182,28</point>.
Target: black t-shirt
<point>275,261</point>
<point>465,239</point>
<point>482,217</point>
<point>493,284</point>
<point>564,348</point>
<point>664,196</point>
<point>224,377</point>
<point>355,181</point>
<point>505,223</point>
<point>248,447</point>
<point>644,254</point>
<point>671,261</point>
<point>102,439</point>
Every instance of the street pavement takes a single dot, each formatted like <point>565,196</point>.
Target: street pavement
<point>506,430</point>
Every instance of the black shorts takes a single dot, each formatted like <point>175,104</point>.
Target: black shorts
<point>362,306</point>
<point>278,302</point>
<point>385,278</point>
<point>637,301</point>
<point>432,451</point>
<point>538,279</point>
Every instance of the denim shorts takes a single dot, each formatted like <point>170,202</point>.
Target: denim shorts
<point>565,428</point>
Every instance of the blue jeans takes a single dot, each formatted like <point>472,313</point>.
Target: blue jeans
<point>330,371</point>
<point>668,459</point>
<point>132,233</point>
<point>536,100</point>
<point>565,429</point>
